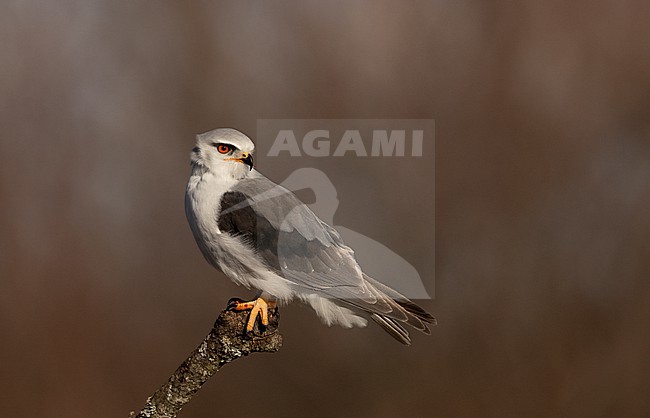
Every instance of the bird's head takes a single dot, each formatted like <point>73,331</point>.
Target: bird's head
<point>224,152</point>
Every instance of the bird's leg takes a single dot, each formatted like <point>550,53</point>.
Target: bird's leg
<point>258,307</point>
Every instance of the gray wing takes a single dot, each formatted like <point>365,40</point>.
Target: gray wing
<point>291,239</point>
<point>306,251</point>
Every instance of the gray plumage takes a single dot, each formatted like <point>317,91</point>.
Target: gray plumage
<point>261,236</point>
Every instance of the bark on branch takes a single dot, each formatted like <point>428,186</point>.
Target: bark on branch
<point>225,342</point>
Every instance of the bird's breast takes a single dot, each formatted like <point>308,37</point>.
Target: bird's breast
<point>202,205</point>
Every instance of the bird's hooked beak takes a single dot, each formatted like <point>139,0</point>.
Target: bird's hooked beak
<point>247,159</point>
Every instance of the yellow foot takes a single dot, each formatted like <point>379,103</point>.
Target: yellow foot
<point>258,307</point>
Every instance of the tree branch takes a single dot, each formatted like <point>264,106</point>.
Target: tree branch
<point>225,342</point>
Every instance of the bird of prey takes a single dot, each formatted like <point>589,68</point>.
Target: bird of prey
<point>261,236</point>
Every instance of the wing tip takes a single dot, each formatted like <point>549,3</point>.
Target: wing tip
<point>417,311</point>
<point>394,329</point>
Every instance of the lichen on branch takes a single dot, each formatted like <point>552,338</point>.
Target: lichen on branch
<point>225,342</point>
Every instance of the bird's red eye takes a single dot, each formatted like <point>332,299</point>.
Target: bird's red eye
<point>223,149</point>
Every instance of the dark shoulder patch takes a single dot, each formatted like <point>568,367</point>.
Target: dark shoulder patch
<point>240,220</point>
<point>238,217</point>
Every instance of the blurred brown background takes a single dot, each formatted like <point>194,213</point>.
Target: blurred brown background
<point>542,200</point>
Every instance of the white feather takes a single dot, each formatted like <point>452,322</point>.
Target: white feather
<point>212,176</point>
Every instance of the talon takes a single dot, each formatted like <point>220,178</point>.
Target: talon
<point>233,303</point>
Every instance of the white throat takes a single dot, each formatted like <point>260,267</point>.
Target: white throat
<point>203,197</point>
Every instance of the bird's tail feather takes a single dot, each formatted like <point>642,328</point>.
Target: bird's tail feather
<point>416,310</point>
<point>393,328</point>
<point>390,309</point>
